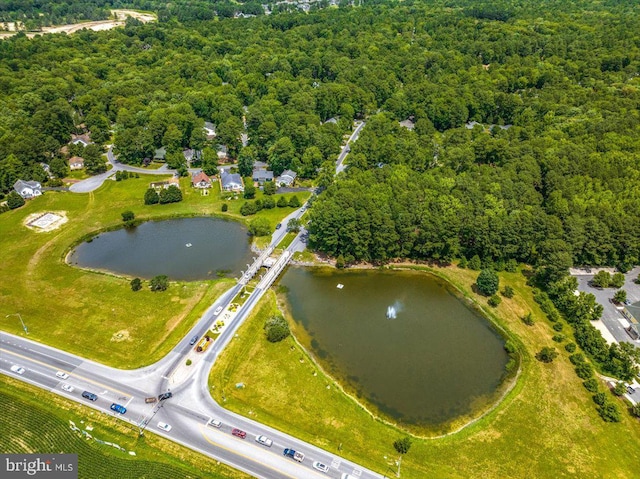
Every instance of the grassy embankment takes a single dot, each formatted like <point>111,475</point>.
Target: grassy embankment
<point>97,315</point>
<point>33,420</point>
<point>546,427</point>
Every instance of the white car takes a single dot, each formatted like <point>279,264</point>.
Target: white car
<point>67,387</point>
<point>320,467</point>
<point>62,375</point>
<point>264,440</point>
<point>17,369</point>
<point>214,423</point>
<point>164,426</point>
<point>217,311</point>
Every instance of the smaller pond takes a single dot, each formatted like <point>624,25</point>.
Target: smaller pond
<point>184,249</point>
<point>402,341</point>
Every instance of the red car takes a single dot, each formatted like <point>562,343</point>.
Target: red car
<point>239,433</point>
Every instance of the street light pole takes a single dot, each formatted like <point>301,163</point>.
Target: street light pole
<point>24,326</point>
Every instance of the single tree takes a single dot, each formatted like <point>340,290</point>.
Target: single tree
<point>528,319</point>
<point>494,301</point>
<point>547,355</point>
<point>276,329</point>
<point>602,279</point>
<point>282,202</point>
<point>617,280</point>
<point>475,263</point>
<point>151,197</point>
<point>402,447</point>
<point>249,189</point>
<point>294,225</point>
<point>508,292</point>
<point>269,188</point>
<point>619,389</point>
<point>620,296</point>
<point>173,194</point>
<point>488,282</point>
<point>159,283</point>
<point>136,284</point>
<point>128,216</point>
<point>225,207</point>
<point>14,200</point>
<point>294,202</point>
<point>260,227</point>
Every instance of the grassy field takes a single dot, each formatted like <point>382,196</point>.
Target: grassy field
<point>35,421</point>
<point>546,427</point>
<point>91,314</point>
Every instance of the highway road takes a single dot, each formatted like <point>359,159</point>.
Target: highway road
<point>191,406</point>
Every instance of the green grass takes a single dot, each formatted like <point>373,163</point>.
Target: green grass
<point>547,426</point>
<point>34,421</point>
<point>87,313</point>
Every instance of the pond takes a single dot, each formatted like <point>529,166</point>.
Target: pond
<point>401,341</point>
<point>185,249</point>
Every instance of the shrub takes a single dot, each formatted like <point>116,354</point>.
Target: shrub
<point>340,263</point>
<point>268,203</point>
<point>528,319</point>
<point>475,263</point>
<point>225,207</point>
<point>584,370</point>
<point>494,301</point>
<point>151,197</point>
<point>248,208</point>
<point>136,284</point>
<point>591,385</point>
<point>276,329</point>
<point>547,355</point>
<point>599,398</point>
<point>294,202</point>
<point>269,188</point>
<point>620,296</point>
<point>488,282</point>
<point>577,358</point>
<point>173,194</point>
<point>511,266</point>
<point>14,200</point>
<point>508,292</point>
<point>462,263</point>
<point>189,362</point>
<point>282,202</point>
<point>260,227</point>
<point>159,283</point>
<point>609,412</point>
<point>128,217</point>
<point>571,347</point>
<point>619,389</point>
<point>559,338</point>
<point>617,280</point>
<point>249,190</point>
<point>558,326</point>
<point>602,279</point>
<point>553,315</point>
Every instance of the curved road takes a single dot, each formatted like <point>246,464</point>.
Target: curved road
<point>191,406</point>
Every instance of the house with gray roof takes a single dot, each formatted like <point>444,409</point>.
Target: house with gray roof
<point>261,175</point>
<point>28,189</point>
<point>231,181</point>
<point>160,154</point>
<point>287,178</point>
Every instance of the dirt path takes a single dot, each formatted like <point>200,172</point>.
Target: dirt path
<point>121,16</point>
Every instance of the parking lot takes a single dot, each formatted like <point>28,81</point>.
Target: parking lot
<point>612,317</point>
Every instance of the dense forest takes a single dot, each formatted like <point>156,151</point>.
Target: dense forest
<point>525,120</point>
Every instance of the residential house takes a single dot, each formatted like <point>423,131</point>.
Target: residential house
<point>163,185</point>
<point>76,163</point>
<point>231,181</point>
<point>160,154</point>
<point>408,124</point>
<point>287,178</point>
<point>28,189</point>
<point>200,180</point>
<point>191,155</point>
<point>47,170</point>
<point>210,130</point>
<point>261,175</point>
<point>84,139</point>
<point>223,152</point>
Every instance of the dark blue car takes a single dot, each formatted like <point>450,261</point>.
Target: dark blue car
<point>118,408</point>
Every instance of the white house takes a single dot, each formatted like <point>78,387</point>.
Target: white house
<point>28,189</point>
<point>83,139</point>
<point>200,180</point>
<point>76,163</point>
<point>231,181</point>
<point>286,178</point>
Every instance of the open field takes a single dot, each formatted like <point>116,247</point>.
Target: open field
<point>36,421</point>
<point>87,313</point>
<point>546,427</point>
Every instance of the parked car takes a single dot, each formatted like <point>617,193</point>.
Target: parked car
<point>118,408</point>
<point>164,396</point>
<point>217,311</point>
<point>320,467</point>
<point>239,433</point>
<point>164,426</point>
<point>150,400</point>
<point>194,340</point>
<point>62,375</point>
<point>264,440</point>
<point>214,423</point>
<point>630,390</point>
<point>17,369</point>
<point>89,396</point>
<point>67,387</point>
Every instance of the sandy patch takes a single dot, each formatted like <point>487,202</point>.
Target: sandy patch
<point>122,335</point>
<point>48,221</point>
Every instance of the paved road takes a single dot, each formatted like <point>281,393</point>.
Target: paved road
<point>347,148</point>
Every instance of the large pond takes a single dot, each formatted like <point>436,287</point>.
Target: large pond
<point>184,249</point>
<point>401,341</point>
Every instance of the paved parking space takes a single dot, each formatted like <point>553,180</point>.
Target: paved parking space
<point>612,316</point>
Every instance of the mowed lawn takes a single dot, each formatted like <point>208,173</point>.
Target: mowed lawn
<point>547,427</point>
<point>97,315</point>
<point>34,421</point>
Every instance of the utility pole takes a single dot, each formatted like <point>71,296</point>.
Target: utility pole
<point>24,326</point>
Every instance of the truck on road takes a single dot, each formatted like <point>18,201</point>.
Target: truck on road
<point>296,456</point>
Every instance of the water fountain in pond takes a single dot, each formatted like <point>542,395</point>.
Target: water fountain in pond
<point>393,310</point>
